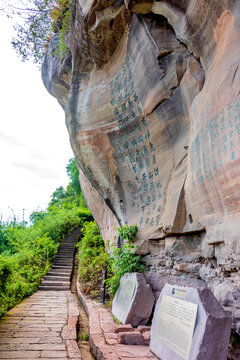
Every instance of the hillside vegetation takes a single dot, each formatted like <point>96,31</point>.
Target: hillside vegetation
<point>26,252</point>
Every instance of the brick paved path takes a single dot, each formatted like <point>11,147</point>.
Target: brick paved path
<point>32,330</point>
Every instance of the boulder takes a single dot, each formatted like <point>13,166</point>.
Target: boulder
<point>134,300</point>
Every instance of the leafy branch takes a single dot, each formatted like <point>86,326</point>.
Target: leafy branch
<point>36,22</point>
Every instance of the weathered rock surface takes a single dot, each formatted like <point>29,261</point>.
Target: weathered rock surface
<point>133,301</point>
<point>151,94</point>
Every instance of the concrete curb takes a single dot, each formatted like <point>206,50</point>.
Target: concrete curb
<point>103,337</point>
<point>69,331</point>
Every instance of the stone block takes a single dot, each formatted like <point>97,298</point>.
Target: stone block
<point>69,332</point>
<point>130,338</point>
<point>73,321</point>
<point>108,327</point>
<point>134,352</point>
<point>73,350</point>
<point>134,300</point>
<point>143,328</point>
<point>123,328</point>
<point>188,267</point>
<point>176,311</point>
<point>146,336</point>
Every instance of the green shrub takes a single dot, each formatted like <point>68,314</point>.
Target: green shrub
<point>122,261</point>
<point>93,258</point>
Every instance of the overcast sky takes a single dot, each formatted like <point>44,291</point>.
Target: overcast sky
<point>34,143</point>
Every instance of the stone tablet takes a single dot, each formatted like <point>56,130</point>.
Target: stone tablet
<point>176,321</point>
<point>134,300</point>
<point>189,324</point>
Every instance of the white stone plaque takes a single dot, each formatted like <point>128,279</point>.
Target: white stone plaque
<point>175,326</point>
<point>126,294</point>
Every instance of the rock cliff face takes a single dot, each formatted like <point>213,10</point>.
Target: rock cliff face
<point>151,92</point>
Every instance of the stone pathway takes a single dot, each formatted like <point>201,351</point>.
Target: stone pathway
<point>43,326</point>
<point>32,329</point>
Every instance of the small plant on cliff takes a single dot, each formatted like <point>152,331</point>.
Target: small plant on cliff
<point>60,17</point>
<point>127,232</point>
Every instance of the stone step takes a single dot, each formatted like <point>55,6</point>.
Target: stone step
<point>64,259</point>
<point>67,256</point>
<point>53,287</point>
<point>66,247</point>
<point>60,271</point>
<point>61,263</point>
<point>56,278</point>
<point>57,266</point>
<point>65,252</point>
<point>68,244</point>
<point>56,283</point>
<point>59,275</point>
<point>64,256</point>
<point>65,267</point>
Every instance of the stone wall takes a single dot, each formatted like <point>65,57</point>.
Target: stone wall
<point>151,92</point>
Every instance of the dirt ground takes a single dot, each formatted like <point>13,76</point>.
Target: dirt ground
<point>83,321</point>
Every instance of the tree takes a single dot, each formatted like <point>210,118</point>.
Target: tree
<point>58,195</point>
<point>37,21</point>
<point>37,215</point>
<point>73,173</point>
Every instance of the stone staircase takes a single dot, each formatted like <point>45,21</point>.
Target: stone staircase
<point>59,276</point>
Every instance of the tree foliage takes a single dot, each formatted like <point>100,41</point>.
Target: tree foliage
<point>73,174</point>
<point>58,195</point>
<point>36,23</point>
